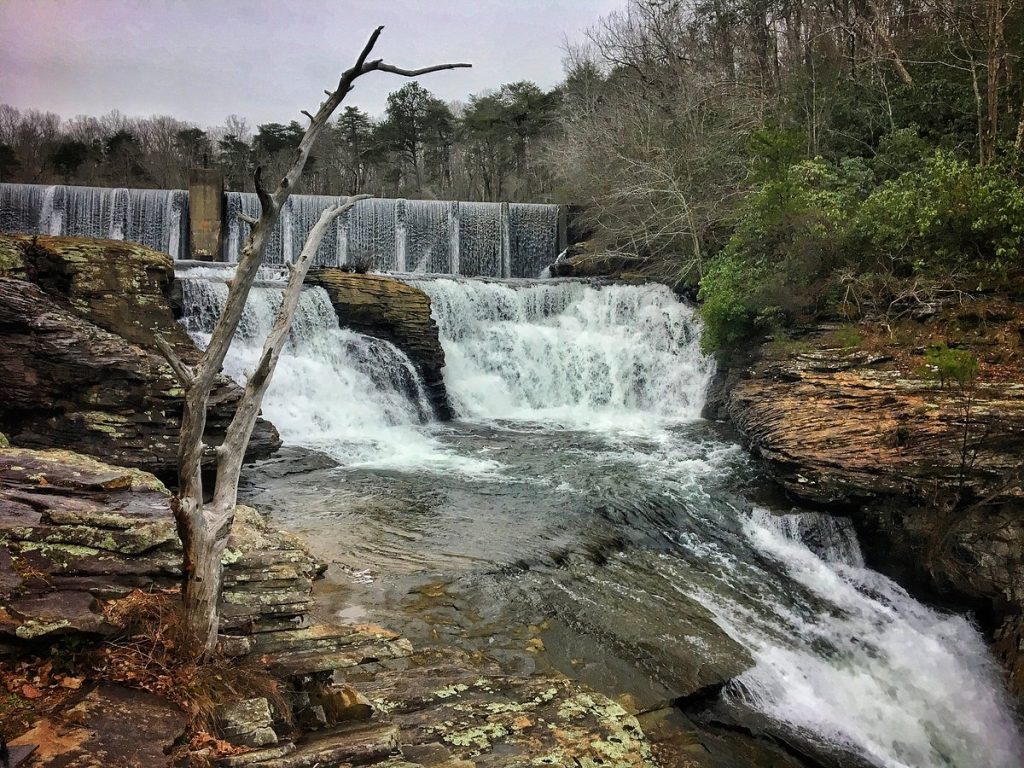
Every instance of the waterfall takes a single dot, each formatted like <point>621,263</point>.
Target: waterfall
<point>418,236</point>
<point>568,352</point>
<point>155,218</point>
<point>352,396</point>
<point>844,657</point>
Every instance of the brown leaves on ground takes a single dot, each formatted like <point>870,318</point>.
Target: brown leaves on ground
<point>151,652</point>
<point>31,687</point>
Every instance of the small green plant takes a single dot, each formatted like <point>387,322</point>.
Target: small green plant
<point>950,366</point>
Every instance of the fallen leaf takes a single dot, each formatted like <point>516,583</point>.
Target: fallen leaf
<point>74,683</point>
<point>29,691</point>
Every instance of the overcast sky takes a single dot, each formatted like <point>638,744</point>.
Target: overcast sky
<point>201,60</point>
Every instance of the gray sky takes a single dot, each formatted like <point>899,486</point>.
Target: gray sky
<point>266,60</point>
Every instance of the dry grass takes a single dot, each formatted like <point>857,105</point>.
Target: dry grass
<point>151,652</point>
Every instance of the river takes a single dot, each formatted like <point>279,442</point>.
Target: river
<point>579,515</point>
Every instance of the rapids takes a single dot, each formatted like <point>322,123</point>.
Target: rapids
<point>580,502</point>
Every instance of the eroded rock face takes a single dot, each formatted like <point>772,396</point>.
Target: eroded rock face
<point>76,531</point>
<point>391,310</point>
<point>78,321</point>
<point>862,430</point>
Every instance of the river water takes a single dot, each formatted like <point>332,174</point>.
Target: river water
<point>579,515</point>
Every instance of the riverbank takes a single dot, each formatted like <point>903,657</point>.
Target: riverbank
<point>83,540</point>
<point>855,419</point>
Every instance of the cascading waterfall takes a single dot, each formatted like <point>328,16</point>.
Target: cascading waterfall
<point>845,657</point>
<point>569,352</point>
<point>354,397</point>
<point>419,236</point>
<point>610,380</point>
<point>155,218</point>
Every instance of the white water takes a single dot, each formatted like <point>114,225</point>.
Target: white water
<point>569,353</point>
<point>156,218</point>
<point>425,236</point>
<point>356,398</point>
<point>843,656</point>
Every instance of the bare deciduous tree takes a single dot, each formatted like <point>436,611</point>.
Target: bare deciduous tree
<point>204,525</point>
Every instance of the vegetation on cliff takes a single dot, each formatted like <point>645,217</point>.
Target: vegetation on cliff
<point>800,157</point>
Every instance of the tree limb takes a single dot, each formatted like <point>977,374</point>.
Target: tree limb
<point>183,373</point>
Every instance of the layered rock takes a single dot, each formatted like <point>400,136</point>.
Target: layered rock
<point>78,322</point>
<point>388,309</point>
<point>77,531</point>
<point>930,474</point>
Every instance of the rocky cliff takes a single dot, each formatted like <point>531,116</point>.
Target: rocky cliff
<point>78,319</point>
<point>854,420</point>
<point>391,310</point>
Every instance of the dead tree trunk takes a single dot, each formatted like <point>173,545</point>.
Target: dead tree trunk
<point>204,527</point>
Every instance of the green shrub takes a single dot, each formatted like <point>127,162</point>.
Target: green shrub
<point>947,215</point>
<point>950,366</point>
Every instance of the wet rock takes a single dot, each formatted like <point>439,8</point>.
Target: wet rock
<point>389,309</point>
<point>91,731</point>
<point>247,723</point>
<point>77,346</point>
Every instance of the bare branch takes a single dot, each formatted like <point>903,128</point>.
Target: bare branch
<point>382,67</point>
<point>308,115</point>
<point>181,371</point>
<point>232,450</point>
<point>266,201</point>
<point>248,219</point>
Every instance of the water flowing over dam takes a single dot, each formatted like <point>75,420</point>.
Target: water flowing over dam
<point>456,238</point>
<point>580,494</point>
<point>156,218</point>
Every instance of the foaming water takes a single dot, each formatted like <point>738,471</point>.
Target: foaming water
<point>569,353</point>
<point>844,656</point>
<point>356,398</point>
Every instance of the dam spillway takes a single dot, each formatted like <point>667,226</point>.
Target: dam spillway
<point>395,235</point>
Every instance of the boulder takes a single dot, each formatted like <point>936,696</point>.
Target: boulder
<point>78,322</point>
<point>388,309</point>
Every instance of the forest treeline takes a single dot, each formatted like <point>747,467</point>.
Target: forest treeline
<point>783,157</point>
<point>486,149</point>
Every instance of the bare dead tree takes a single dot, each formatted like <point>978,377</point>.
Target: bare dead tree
<point>204,526</point>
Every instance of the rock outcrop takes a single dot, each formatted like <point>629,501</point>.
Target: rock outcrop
<point>391,310</point>
<point>78,322</point>
<point>77,532</point>
<point>930,474</point>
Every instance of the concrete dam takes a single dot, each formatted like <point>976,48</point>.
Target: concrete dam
<point>391,235</point>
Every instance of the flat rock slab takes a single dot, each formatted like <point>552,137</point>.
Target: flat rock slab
<point>109,727</point>
<point>450,712</point>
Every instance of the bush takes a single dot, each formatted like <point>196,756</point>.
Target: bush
<point>950,366</point>
<point>948,215</point>
<point>789,235</point>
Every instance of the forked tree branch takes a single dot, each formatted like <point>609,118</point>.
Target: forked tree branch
<point>183,373</point>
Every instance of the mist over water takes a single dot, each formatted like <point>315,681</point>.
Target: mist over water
<point>580,484</point>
